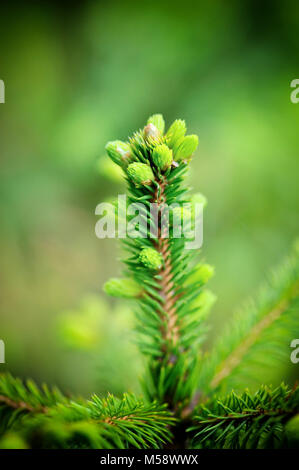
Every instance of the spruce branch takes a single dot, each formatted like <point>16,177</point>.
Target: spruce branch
<point>44,419</point>
<point>102,423</point>
<point>246,420</point>
<point>171,306</point>
<point>183,389</point>
<point>18,399</point>
<point>258,338</point>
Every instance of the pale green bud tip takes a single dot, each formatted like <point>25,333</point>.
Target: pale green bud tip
<point>124,287</point>
<point>202,273</point>
<point>140,173</point>
<point>151,258</point>
<point>158,121</point>
<point>204,302</point>
<point>207,298</point>
<point>176,132</point>
<point>162,157</point>
<point>151,132</point>
<point>186,147</point>
<point>119,152</point>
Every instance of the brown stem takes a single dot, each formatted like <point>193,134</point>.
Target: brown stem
<point>170,330</point>
<point>20,405</point>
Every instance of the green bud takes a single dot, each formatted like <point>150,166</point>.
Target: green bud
<point>292,432</point>
<point>204,302</point>
<point>162,157</point>
<point>202,273</point>
<point>158,121</point>
<point>119,152</point>
<point>176,132</point>
<point>186,147</point>
<point>151,258</point>
<point>125,287</point>
<point>140,173</point>
<point>151,132</point>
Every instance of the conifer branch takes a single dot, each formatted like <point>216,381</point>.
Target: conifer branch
<point>42,418</point>
<point>182,388</point>
<point>173,300</point>
<point>260,334</point>
<point>246,421</point>
<point>236,356</point>
<point>16,395</point>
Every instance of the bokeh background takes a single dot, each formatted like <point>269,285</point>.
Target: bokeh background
<point>80,74</point>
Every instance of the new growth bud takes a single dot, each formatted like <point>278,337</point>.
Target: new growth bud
<point>151,132</point>
<point>140,173</point>
<point>202,273</point>
<point>162,157</point>
<point>158,121</point>
<point>125,287</point>
<point>150,258</point>
<point>119,152</point>
<point>186,147</point>
<point>203,302</point>
<point>175,133</point>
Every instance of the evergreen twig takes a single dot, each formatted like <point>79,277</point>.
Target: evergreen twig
<point>183,388</point>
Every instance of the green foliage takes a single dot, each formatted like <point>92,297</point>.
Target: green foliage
<point>201,273</point>
<point>124,287</point>
<point>183,387</point>
<point>151,259</point>
<point>158,121</point>
<point>175,133</point>
<point>246,420</point>
<point>185,147</point>
<point>119,152</point>
<point>46,419</point>
<point>169,321</point>
<point>17,400</point>
<point>162,157</point>
<point>248,172</point>
<point>140,174</point>
<point>257,340</point>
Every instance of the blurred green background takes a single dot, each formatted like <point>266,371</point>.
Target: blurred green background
<point>81,74</point>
